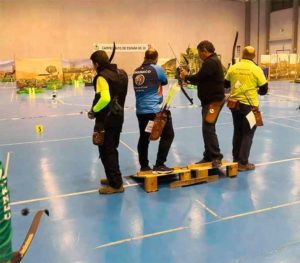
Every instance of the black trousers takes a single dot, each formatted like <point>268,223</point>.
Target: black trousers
<point>211,143</point>
<point>110,157</point>
<point>242,134</point>
<point>165,142</point>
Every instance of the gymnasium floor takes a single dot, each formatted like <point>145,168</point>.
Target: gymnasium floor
<point>252,218</point>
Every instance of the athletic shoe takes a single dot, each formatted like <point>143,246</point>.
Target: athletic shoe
<point>162,169</point>
<point>146,169</point>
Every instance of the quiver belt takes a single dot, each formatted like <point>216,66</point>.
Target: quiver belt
<point>158,125</point>
<point>98,134</point>
<point>258,116</point>
<point>213,112</point>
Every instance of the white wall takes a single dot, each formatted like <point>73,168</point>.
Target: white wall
<point>281,26</point>
<point>68,28</point>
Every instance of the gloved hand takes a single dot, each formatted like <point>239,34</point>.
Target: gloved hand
<point>183,73</point>
<point>91,115</point>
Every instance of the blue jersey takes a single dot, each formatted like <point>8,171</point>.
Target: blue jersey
<point>148,80</point>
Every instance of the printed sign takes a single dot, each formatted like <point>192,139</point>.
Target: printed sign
<point>122,47</point>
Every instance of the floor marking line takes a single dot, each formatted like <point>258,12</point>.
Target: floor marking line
<point>54,140</point>
<point>142,237</point>
<point>292,120</point>
<point>207,209</point>
<point>282,117</point>
<point>75,104</point>
<point>283,96</point>
<point>131,185</point>
<point>279,161</point>
<point>42,116</point>
<point>126,181</point>
<point>189,227</point>
<point>12,96</point>
<point>128,132</point>
<point>62,196</point>
<point>284,125</point>
<point>261,210</point>
<point>128,147</point>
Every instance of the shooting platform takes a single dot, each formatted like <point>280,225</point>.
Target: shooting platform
<point>192,174</point>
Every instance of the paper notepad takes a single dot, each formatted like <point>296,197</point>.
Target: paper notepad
<point>251,119</point>
<point>149,126</point>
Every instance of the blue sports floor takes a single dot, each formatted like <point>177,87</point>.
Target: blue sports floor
<point>254,218</point>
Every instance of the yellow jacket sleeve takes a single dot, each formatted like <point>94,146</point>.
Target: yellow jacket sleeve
<point>102,87</point>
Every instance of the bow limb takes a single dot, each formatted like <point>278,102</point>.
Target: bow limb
<point>18,256</point>
<point>113,52</point>
<point>180,80</point>
<point>234,47</point>
<point>185,94</point>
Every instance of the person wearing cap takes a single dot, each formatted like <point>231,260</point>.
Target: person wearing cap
<point>246,81</point>
<point>110,85</point>
<point>210,86</point>
<point>148,80</point>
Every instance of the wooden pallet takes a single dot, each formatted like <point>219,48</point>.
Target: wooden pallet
<point>150,178</point>
<point>203,168</point>
<point>192,174</point>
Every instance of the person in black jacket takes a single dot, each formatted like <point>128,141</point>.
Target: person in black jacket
<point>110,84</point>
<point>210,85</point>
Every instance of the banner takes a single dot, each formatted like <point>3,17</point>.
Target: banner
<point>7,71</point>
<point>81,70</point>
<point>122,47</point>
<point>38,73</point>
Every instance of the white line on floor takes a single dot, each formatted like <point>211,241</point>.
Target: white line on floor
<point>279,161</point>
<point>283,96</point>
<point>128,132</point>
<point>12,96</point>
<point>142,237</point>
<point>54,140</point>
<point>61,196</point>
<point>128,147</point>
<point>282,117</point>
<point>284,125</point>
<point>290,119</point>
<point>260,210</point>
<point>74,104</point>
<point>188,227</point>
<point>42,116</point>
<point>131,185</point>
<point>208,209</point>
<point>126,181</point>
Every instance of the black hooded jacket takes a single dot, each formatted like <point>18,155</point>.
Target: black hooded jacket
<point>117,80</point>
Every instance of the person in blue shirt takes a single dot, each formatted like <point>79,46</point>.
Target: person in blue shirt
<point>148,80</point>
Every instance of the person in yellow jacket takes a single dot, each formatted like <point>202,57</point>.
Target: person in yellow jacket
<point>246,81</point>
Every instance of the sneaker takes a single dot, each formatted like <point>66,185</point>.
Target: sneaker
<point>110,190</point>
<point>104,181</point>
<point>216,163</point>
<point>162,169</point>
<point>203,160</point>
<point>146,169</point>
<point>246,167</point>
